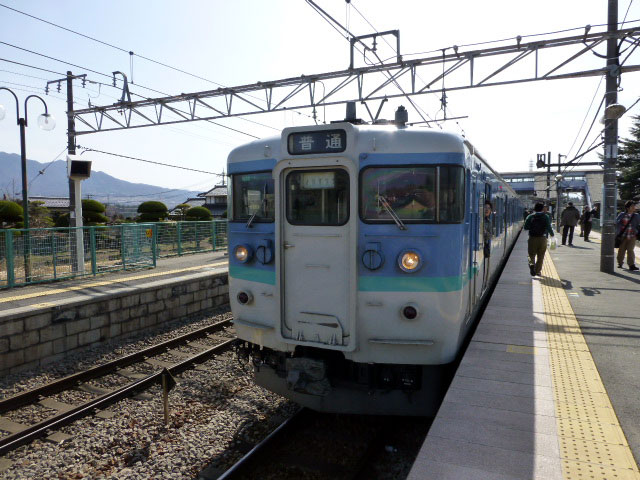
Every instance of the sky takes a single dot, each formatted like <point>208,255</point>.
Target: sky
<point>246,41</point>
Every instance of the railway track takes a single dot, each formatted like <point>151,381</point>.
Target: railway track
<point>313,445</point>
<point>67,413</point>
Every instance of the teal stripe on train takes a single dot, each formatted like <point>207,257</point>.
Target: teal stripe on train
<point>366,283</point>
<point>253,274</point>
<point>406,284</point>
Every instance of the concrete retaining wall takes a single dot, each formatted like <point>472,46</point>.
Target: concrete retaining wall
<point>46,332</point>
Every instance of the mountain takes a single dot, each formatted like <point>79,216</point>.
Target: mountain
<point>101,186</point>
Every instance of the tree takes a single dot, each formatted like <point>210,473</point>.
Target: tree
<point>93,213</point>
<point>629,163</point>
<point>182,208</point>
<point>39,215</point>
<point>198,214</point>
<point>152,211</point>
<point>10,212</point>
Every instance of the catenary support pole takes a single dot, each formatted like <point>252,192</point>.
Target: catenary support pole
<point>76,241</point>
<point>610,146</point>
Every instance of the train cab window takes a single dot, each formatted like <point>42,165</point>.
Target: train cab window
<point>408,192</point>
<point>318,197</point>
<point>451,194</point>
<point>253,194</point>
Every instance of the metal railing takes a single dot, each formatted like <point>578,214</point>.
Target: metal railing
<point>40,255</point>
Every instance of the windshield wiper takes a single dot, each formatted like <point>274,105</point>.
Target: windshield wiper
<point>251,219</point>
<point>390,211</point>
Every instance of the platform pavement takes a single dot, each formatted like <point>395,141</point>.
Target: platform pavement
<point>42,295</point>
<point>543,392</point>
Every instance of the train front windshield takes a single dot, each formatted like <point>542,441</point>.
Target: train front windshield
<point>423,194</point>
<point>253,194</point>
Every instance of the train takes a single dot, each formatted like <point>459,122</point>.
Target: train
<point>359,256</point>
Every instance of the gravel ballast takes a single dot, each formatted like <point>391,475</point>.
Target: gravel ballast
<point>217,414</point>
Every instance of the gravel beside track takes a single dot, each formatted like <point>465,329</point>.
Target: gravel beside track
<point>217,414</point>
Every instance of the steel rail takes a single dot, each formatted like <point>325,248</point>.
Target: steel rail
<point>41,429</point>
<point>72,380</point>
<point>238,467</point>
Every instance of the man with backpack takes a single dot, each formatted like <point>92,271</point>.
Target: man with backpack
<point>539,226</point>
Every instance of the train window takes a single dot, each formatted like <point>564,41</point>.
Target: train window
<point>451,194</point>
<point>408,192</point>
<point>318,197</point>
<point>253,195</point>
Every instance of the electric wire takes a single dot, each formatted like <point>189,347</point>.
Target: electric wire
<point>87,149</point>
<point>331,21</point>
<point>132,54</point>
<point>395,51</point>
<point>488,42</point>
<point>595,94</point>
<point>41,172</point>
<point>108,76</point>
<point>30,66</point>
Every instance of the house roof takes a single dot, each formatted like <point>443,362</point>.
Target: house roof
<point>52,202</point>
<point>217,191</point>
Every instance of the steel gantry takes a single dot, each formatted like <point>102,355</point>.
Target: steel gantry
<point>369,83</point>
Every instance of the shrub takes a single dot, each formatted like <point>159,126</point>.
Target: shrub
<point>10,212</point>
<point>152,211</point>
<point>93,213</point>
<point>198,214</point>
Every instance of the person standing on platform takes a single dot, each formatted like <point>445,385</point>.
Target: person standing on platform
<point>627,223</point>
<point>569,219</point>
<point>539,226</point>
<point>587,223</point>
<point>581,221</point>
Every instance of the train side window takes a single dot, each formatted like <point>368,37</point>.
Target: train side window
<point>451,194</point>
<point>253,193</point>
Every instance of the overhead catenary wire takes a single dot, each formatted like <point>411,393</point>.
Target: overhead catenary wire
<point>132,54</point>
<point>109,76</point>
<point>347,34</point>
<point>88,149</point>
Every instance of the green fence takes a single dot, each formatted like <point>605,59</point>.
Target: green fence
<point>180,238</point>
<point>51,254</point>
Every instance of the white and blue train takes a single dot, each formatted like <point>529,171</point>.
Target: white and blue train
<point>358,258</point>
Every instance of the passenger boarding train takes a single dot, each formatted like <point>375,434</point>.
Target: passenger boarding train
<point>358,258</point>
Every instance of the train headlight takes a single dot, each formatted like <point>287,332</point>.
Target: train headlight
<point>410,261</point>
<point>243,253</point>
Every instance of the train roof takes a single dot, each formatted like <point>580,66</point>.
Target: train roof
<point>368,138</point>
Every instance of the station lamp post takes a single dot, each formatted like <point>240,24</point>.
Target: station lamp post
<point>45,122</point>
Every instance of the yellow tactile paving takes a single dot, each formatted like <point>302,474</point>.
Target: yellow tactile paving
<point>592,444</point>
<point>103,283</point>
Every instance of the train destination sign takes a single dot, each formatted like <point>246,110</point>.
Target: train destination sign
<point>317,141</point>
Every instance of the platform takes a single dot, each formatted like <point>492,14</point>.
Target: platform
<point>549,386</point>
<point>46,294</point>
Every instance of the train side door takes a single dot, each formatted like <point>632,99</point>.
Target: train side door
<point>318,275</point>
<point>479,263</point>
<point>473,240</point>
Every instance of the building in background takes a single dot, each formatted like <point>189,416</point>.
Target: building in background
<point>582,187</point>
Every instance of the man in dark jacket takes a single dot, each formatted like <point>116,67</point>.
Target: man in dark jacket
<point>539,225</point>
<point>587,223</point>
<point>569,220</point>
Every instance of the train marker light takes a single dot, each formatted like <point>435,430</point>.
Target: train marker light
<point>243,253</point>
<point>409,261</point>
<point>410,312</point>
<point>244,298</point>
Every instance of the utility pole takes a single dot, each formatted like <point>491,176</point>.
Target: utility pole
<point>548,177</point>
<point>610,145</point>
<point>77,247</point>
